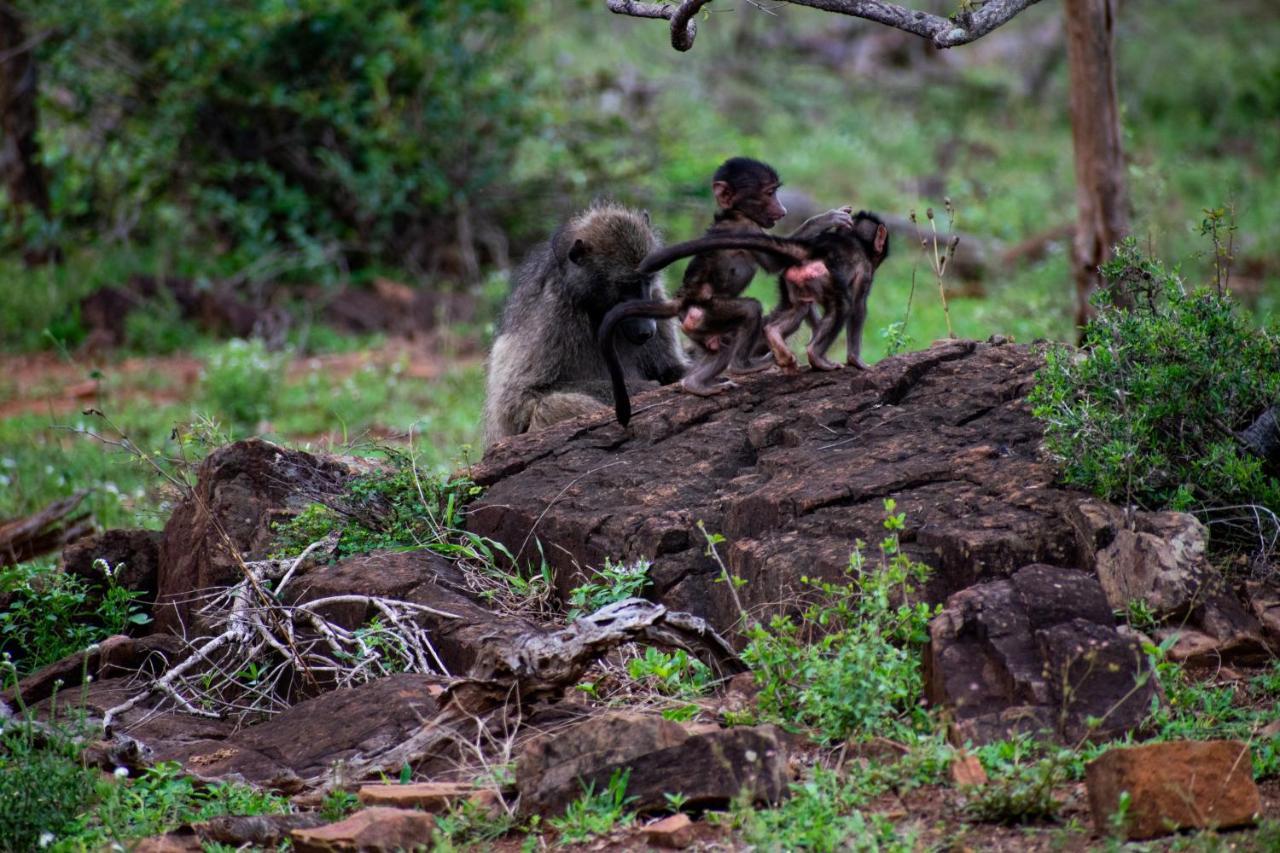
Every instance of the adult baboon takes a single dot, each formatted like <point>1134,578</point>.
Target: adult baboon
<point>545,364</point>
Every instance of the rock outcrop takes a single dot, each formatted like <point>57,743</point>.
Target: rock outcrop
<point>793,470</point>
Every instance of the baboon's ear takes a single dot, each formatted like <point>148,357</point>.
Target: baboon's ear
<point>723,193</point>
<point>578,251</point>
<point>882,237</point>
<point>645,214</point>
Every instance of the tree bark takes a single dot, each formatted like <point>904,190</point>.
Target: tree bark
<point>20,168</point>
<point>1102,203</point>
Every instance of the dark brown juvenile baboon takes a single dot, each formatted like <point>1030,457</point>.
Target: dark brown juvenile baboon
<point>712,311</point>
<point>545,365</point>
<point>833,259</point>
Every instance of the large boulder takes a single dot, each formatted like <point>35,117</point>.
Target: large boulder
<point>241,490</point>
<point>792,470</point>
<point>1037,653</point>
<point>132,555</point>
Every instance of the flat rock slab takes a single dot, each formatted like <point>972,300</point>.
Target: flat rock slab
<point>792,470</point>
<point>371,830</point>
<point>708,766</point>
<point>1172,786</point>
<point>307,740</point>
<point>428,796</point>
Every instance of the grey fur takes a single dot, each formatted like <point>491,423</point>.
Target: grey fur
<point>545,364</point>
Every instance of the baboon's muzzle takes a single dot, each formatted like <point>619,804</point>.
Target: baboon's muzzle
<point>637,330</point>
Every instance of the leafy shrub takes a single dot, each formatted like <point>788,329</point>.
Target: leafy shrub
<point>861,674</point>
<point>1021,794</point>
<point>822,814</point>
<point>397,507</point>
<point>50,614</point>
<point>43,787</point>
<point>594,813</point>
<point>615,582</point>
<point>671,674</point>
<point>283,128</point>
<point>1144,412</point>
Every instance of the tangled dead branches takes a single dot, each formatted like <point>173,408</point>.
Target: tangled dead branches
<point>266,648</point>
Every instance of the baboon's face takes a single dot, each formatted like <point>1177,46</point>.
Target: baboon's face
<point>625,287</point>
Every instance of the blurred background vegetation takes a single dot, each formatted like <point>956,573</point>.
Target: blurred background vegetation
<point>223,171</point>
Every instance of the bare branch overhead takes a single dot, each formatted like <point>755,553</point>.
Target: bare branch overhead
<point>974,20</point>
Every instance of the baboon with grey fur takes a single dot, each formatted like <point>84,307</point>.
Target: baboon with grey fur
<point>545,365</point>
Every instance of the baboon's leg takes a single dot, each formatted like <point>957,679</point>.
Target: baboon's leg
<point>553,408</point>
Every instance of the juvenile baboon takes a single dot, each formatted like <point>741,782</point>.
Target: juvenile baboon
<point>713,313</point>
<point>834,257</point>
<point>546,365</point>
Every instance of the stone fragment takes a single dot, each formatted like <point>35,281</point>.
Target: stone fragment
<point>371,830</point>
<point>674,832</point>
<point>714,765</point>
<point>428,796</point>
<point>966,770</point>
<point>1172,786</point>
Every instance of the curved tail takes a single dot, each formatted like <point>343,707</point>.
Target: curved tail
<point>781,246</point>
<point>657,309</point>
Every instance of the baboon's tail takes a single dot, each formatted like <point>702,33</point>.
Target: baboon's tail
<point>656,309</point>
<point>781,246</point>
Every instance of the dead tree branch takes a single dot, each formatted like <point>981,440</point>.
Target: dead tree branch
<point>974,20</point>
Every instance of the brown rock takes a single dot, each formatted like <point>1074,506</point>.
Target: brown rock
<point>113,656</point>
<point>967,770</point>
<point>1037,653</point>
<point>1172,786</point>
<point>791,470</point>
<point>134,555</point>
<point>307,740</point>
<point>257,830</point>
<point>428,796</point>
<point>675,832</point>
<point>714,766</point>
<point>170,842</point>
<point>373,830</point>
<point>242,489</point>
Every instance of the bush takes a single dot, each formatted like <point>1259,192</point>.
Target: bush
<point>43,786</point>
<point>861,675</point>
<point>242,382</point>
<point>290,132</point>
<point>1144,412</point>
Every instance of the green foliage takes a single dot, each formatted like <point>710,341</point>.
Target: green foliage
<point>849,666</point>
<point>43,786</point>
<point>1021,792</point>
<point>470,826</point>
<point>673,674</point>
<point>822,814</point>
<point>160,799</point>
<point>397,507</point>
<point>241,382</point>
<point>50,614</point>
<point>595,814</point>
<point>337,804</point>
<point>1144,413</point>
<point>282,127</point>
<point>615,582</point>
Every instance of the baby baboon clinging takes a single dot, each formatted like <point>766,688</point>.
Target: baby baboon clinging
<point>545,365</point>
<point>833,256</point>
<point>714,314</point>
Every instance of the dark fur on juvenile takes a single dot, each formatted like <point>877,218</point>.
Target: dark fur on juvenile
<point>845,250</point>
<point>546,364</point>
<point>721,322</point>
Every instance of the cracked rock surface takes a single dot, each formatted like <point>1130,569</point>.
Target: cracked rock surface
<point>792,470</point>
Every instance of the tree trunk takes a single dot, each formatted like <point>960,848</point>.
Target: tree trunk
<point>1102,204</point>
<point>20,169</point>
